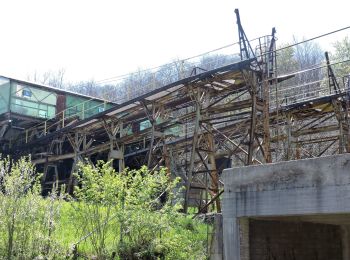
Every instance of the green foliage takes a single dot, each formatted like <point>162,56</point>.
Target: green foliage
<point>97,197</point>
<point>26,219</point>
<point>286,60</point>
<point>342,53</point>
<point>138,209</point>
<point>132,214</point>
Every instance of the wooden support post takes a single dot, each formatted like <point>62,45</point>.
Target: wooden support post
<point>289,137</point>
<point>76,143</point>
<point>253,119</point>
<point>297,150</point>
<point>347,129</point>
<point>116,148</point>
<point>214,173</point>
<point>166,158</point>
<point>155,150</point>
<point>342,120</point>
<point>150,151</point>
<point>266,122</point>
<point>63,119</point>
<point>121,160</point>
<point>193,149</point>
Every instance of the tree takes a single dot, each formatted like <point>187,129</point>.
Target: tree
<point>302,60</point>
<point>308,54</point>
<point>342,53</point>
<point>286,61</point>
<point>51,78</point>
<point>89,88</point>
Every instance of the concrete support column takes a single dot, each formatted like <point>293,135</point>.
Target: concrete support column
<point>231,238</point>
<point>345,239</point>
<point>216,247</point>
<point>244,238</point>
<point>236,237</point>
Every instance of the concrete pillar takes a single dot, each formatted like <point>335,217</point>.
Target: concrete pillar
<point>237,246</point>
<point>216,247</point>
<point>231,238</point>
<point>244,238</point>
<point>345,239</point>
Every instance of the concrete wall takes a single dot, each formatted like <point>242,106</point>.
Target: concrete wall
<point>294,188</point>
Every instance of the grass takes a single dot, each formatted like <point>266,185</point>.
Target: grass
<point>182,238</point>
<point>67,232</point>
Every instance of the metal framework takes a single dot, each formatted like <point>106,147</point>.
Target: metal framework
<point>199,125</point>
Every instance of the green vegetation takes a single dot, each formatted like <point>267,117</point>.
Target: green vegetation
<point>342,53</point>
<point>127,215</point>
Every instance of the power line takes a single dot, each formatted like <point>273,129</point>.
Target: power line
<point>112,79</point>
<point>181,60</point>
<point>312,67</point>
<point>311,39</point>
<point>166,64</point>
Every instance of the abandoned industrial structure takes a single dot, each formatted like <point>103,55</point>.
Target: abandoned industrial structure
<point>239,114</point>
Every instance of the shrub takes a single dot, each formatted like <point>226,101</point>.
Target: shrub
<point>138,209</point>
<point>134,214</point>
<point>26,219</point>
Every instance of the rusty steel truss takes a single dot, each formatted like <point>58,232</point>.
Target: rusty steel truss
<point>199,125</point>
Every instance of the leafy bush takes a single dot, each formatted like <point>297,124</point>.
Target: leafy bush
<point>129,215</point>
<point>137,207</point>
<point>26,219</point>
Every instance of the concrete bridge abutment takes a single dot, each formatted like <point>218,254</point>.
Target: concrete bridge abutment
<point>288,210</point>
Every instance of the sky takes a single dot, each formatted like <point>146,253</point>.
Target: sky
<point>95,40</point>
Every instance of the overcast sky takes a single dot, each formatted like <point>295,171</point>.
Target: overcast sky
<point>102,39</point>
